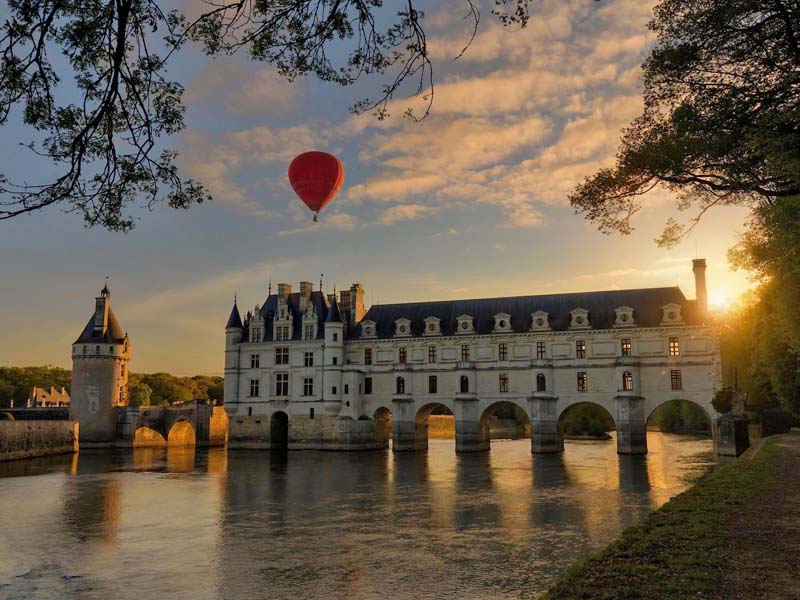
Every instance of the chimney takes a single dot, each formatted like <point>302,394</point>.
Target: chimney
<point>700,291</point>
<point>306,287</point>
<point>357,298</point>
<point>284,289</point>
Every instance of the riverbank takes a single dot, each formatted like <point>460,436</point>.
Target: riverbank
<point>732,536</point>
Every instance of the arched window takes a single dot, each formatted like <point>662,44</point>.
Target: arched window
<point>464,387</point>
<point>627,381</point>
<point>541,383</point>
<point>401,385</point>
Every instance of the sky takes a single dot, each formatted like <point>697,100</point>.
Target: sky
<point>471,202</point>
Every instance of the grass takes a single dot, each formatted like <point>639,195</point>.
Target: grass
<point>676,552</point>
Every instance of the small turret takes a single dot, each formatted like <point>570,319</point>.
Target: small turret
<point>235,320</point>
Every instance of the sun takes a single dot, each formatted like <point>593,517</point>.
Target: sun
<point>719,300</point>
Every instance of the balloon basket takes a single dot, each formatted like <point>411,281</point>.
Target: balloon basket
<point>316,217</point>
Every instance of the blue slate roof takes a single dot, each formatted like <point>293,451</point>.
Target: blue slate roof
<point>235,320</point>
<point>114,334</point>
<point>334,316</point>
<point>270,307</point>
<point>646,303</point>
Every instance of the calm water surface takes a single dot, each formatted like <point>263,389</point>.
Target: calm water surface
<point>208,524</point>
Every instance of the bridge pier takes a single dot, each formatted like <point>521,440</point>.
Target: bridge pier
<point>545,437</point>
<point>404,434</point>
<point>471,434</point>
<point>631,425</point>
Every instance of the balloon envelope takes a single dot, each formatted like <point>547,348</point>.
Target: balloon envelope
<point>316,177</point>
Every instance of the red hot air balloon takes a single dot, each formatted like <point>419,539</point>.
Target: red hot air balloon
<point>316,178</point>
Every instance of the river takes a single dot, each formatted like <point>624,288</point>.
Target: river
<point>157,524</point>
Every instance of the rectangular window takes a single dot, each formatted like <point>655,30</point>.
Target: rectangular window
<point>583,381</point>
<point>255,388</point>
<point>308,331</point>
<point>308,359</point>
<point>333,390</point>
<point>580,349</point>
<point>281,356</point>
<point>367,385</point>
<point>540,351</point>
<point>308,386</point>
<point>335,337</point>
<point>502,351</point>
<point>335,360</point>
<point>281,384</point>
<point>626,347</point>
<point>281,333</point>
<point>674,347</point>
<point>255,361</point>
<point>346,388</point>
<point>401,356</point>
<point>255,334</point>
<point>368,356</point>
<point>311,413</point>
<point>675,380</point>
<point>504,382</point>
<point>431,354</point>
<point>433,384</point>
<point>464,352</point>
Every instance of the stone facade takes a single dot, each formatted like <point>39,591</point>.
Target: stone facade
<point>100,358</point>
<point>307,370</point>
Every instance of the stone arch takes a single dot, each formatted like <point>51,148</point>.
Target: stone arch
<point>383,426</point>
<point>509,407</point>
<point>422,423</point>
<point>594,426</point>
<point>145,437</point>
<point>709,417</point>
<point>279,431</point>
<point>181,434</point>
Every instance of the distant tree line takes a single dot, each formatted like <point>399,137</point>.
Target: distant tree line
<point>154,389</point>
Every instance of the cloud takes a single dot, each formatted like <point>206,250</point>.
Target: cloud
<point>405,212</point>
<point>333,222</point>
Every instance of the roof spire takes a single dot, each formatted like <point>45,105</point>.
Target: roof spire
<point>105,293</point>
<point>269,287</point>
<point>234,296</point>
<point>321,275</point>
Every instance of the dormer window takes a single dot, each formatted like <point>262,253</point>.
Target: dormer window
<point>580,319</point>
<point>432,326</point>
<point>368,329</point>
<point>671,314</point>
<point>624,317</point>
<point>402,328</point>
<point>540,321</point>
<point>465,324</point>
<point>502,322</point>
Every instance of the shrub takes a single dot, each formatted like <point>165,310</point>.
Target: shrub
<point>723,401</point>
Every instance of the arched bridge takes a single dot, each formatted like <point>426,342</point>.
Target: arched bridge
<point>194,423</point>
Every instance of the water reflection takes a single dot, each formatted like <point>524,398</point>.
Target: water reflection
<point>180,522</point>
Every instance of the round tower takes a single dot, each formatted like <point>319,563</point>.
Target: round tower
<point>233,335</point>
<point>333,357</point>
<point>100,358</point>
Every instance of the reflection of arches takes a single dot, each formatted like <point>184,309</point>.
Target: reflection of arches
<point>279,431</point>
<point>585,420</point>
<point>464,385</point>
<point>383,427</point>
<point>181,434</point>
<point>512,422</point>
<point>148,438</point>
<point>680,416</point>
<point>541,383</point>
<point>443,424</point>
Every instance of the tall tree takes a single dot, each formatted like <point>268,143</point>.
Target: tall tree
<point>105,143</point>
<point>720,119</point>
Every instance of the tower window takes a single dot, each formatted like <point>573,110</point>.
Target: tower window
<point>431,354</point>
<point>346,388</point>
<point>84,349</point>
<point>675,380</point>
<point>111,349</point>
<point>627,381</point>
<point>464,352</point>
<point>401,355</point>
<point>308,359</point>
<point>583,381</point>
<point>626,347</point>
<point>308,386</point>
<point>368,356</point>
<point>541,382</point>
<point>281,384</point>
<point>311,412</point>
<point>281,356</point>
<point>580,349</point>
<point>502,351</point>
<point>255,361</point>
<point>674,347</point>
<point>335,337</point>
<point>97,349</point>
<point>540,351</point>
<point>255,388</point>
<point>333,390</point>
<point>335,360</point>
<point>464,386</point>
<point>400,385</point>
<point>504,382</point>
<point>367,385</point>
<point>433,384</point>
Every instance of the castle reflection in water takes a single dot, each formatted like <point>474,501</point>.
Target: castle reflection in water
<point>211,524</point>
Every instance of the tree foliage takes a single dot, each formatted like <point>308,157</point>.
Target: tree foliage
<point>719,125</point>
<point>680,416</point>
<point>17,382</point>
<point>105,142</point>
<point>586,419</point>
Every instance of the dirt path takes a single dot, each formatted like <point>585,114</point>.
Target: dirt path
<point>764,551</point>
